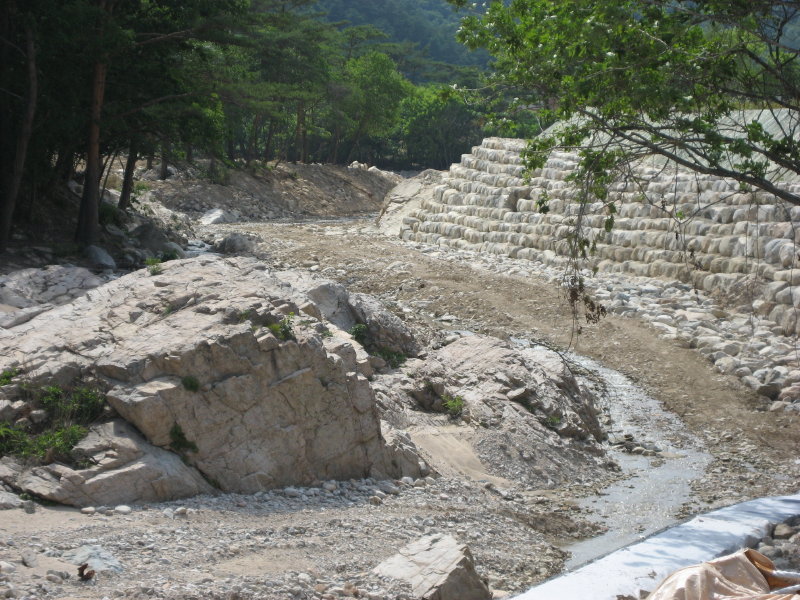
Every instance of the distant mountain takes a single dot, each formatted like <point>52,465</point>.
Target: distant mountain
<point>431,24</point>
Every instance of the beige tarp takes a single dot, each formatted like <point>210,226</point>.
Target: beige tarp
<point>745,575</point>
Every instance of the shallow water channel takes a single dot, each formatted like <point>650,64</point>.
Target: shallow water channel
<point>655,487</point>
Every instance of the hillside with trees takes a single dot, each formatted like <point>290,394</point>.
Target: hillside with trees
<point>419,34</point>
<point>84,81</point>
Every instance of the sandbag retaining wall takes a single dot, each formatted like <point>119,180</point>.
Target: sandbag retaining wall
<point>722,235</point>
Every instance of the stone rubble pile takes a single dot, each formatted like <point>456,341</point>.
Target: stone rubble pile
<point>670,224</point>
<point>276,544</point>
<point>782,547</point>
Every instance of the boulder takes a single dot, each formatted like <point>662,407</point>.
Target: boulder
<point>438,568</point>
<point>234,243</point>
<point>125,468</point>
<point>99,258</point>
<point>518,411</point>
<point>204,361</point>
<point>54,284</point>
<point>98,558</point>
<point>216,216</point>
<point>384,330</point>
<point>9,500</point>
<point>404,453</point>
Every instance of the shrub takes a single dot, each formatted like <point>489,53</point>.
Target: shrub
<point>190,383</point>
<point>69,411</point>
<point>154,266</point>
<point>453,404</point>
<point>283,329</point>
<point>178,441</point>
<point>8,375</point>
<point>108,214</point>
<point>66,407</point>
<point>359,333</point>
<point>392,358</point>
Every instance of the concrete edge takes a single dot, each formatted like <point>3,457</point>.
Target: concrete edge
<point>642,566</point>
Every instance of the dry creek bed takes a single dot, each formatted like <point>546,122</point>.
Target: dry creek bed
<point>322,543</point>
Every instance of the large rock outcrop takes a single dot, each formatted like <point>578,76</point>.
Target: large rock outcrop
<point>522,412</point>
<point>212,359</point>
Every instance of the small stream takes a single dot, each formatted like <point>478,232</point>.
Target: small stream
<point>648,499</point>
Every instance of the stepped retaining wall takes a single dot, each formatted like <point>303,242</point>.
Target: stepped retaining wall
<point>723,237</point>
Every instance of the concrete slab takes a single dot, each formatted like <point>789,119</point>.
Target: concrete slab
<point>642,566</point>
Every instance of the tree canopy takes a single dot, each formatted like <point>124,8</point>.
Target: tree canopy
<point>713,85</point>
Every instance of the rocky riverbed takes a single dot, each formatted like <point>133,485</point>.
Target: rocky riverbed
<point>513,502</point>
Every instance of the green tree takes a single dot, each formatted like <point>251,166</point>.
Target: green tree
<point>376,89</point>
<point>437,126</point>
<point>629,78</point>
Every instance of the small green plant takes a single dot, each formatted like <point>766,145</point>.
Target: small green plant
<point>108,214</point>
<point>394,359</point>
<point>178,440</point>
<point>67,407</point>
<point>8,375</point>
<point>283,329</point>
<point>154,266</point>
<point>140,188</point>
<point>190,383</point>
<point>326,333</point>
<point>359,333</point>
<point>57,444</point>
<point>453,404</point>
<point>169,255</point>
<point>69,411</point>
<point>553,421</point>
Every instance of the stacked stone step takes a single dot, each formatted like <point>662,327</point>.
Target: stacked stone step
<point>670,223</point>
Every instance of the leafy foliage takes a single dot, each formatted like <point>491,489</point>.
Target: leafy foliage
<point>453,404</point>
<point>359,332</point>
<point>283,329</point>
<point>8,375</point>
<point>68,410</point>
<point>190,383</point>
<point>178,441</point>
<point>636,77</point>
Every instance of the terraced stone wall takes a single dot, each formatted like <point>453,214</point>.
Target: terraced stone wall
<point>671,224</point>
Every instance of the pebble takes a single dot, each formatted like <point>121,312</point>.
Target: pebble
<point>123,509</point>
<point>7,567</point>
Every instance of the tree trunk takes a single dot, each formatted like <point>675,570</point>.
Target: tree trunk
<point>251,143</point>
<point>150,160</point>
<point>300,131</point>
<point>164,172</point>
<point>127,179</point>
<point>268,142</point>
<point>12,190</point>
<point>88,217</point>
<point>189,154</point>
<point>356,139</point>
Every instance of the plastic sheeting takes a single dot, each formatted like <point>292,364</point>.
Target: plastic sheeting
<point>744,575</point>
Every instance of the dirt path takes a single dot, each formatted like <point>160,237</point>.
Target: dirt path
<point>755,452</point>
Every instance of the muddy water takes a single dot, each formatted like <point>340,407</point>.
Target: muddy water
<point>648,499</point>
